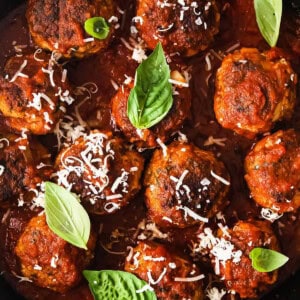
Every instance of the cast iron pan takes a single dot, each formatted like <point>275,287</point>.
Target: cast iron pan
<point>290,290</point>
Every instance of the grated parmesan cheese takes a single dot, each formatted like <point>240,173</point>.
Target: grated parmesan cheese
<point>19,72</point>
<point>189,279</point>
<point>221,179</point>
<point>2,168</point>
<point>163,146</point>
<point>160,277</point>
<point>215,294</point>
<point>270,214</point>
<point>191,213</point>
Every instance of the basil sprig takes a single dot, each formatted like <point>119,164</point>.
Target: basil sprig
<point>97,27</point>
<point>151,98</point>
<point>266,260</point>
<point>268,18</point>
<point>117,285</point>
<point>65,216</point>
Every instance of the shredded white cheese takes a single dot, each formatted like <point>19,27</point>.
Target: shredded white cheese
<point>270,214</point>
<point>215,294</point>
<point>19,72</point>
<point>221,179</point>
<point>189,279</point>
<point>160,277</point>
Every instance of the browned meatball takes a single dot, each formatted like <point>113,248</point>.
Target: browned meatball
<point>239,276</point>
<point>163,130</point>
<point>171,276</point>
<point>254,90</point>
<point>21,165</point>
<point>59,25</point>
<point>273,171</point>
<point>184,185</point>
<point>186,26</point>
<point>102,170</point>
<point>48,260</point>
<point>32,94</point>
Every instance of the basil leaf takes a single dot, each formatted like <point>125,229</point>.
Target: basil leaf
<point>65,216</point>
<point>151,98</point>
<point>266,260</point>
<point>117,285</point>
<point>97,27</point>
<point>268,18</point>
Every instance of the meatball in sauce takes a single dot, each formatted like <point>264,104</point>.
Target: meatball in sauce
<point>186,27</point>
<point>172,276</point>
<point>58,25</point>
<point>33,93</point>
<point>161,132</point>
<point>184,185</point>
<point>228,250</point>
<point>22,162</point>
<point>240,276</point>
<point>254,90</point>
<point>273,171</point>
<point>48,260</point>
<point>102,170</point>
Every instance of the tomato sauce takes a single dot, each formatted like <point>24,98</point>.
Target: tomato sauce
<point>238,28</point>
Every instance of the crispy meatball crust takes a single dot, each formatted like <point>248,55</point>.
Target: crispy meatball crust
<point>30,101</point>
<point>59,25</point>
<point>273,171</point>
<point>180,187</point>
<point>254,90</point>
<point>182,30</point>
<point>155,257</point>
<point>102,170</point>
<point>163,130</point>
<point>18,165</point>
<point>48,260</point>
<point>241,277</point>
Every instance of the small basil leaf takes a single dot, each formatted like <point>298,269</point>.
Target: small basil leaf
<point>65,216</point>
<point>151,98</point>
<point>116,285</point>
<point>97,27</point>
<point>266,260</point>
<point>268,17</point>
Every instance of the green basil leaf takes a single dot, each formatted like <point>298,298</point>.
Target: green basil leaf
<point>65,216</point>
<point>151,98</point>
<point>268,17</point>
<point>117,285</point>
<point>266,260</point>
<point>97,27</point>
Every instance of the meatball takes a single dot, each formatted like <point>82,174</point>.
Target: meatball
<point>23,165</point>
<point>170,124</point>
<point>273,171</point>
<point>32,94</point>
<point>48,260</point>
<point>186,27</point>
<point>102,170</point>
<point>171,276</point>
<point>59,25</point>
<point>184,185</point>
<point>239,276</point>
<point>254,90</point>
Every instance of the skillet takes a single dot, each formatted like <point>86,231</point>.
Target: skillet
<point>289,290</point>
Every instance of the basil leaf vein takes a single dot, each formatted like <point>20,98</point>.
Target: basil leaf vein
<point>117,285</point>
<point>268,17</point>
<point>266,260</point>
<point>97,27</point>
<point>65,216</point>
<point>151,98</point>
